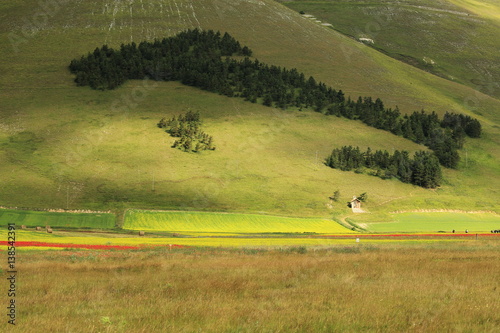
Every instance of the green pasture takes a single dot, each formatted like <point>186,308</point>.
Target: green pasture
<point>227,223</point>
<point>434,222</point>
<point>56,219</point>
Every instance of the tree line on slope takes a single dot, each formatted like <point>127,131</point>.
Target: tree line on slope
<point>423,170</point>
<point>208,60</point>
<point>445,137</point>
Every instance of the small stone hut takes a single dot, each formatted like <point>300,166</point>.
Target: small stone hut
<point>355,203</point>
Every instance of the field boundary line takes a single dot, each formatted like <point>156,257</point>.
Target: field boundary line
<point>445,211</point>
<point>234,213</point>
<point>58,210</point>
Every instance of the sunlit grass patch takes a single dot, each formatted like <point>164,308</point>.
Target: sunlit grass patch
<point>435,222</point>
<point>224,222</point>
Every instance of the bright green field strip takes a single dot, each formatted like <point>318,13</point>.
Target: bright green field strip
<point>227,223</point>
<point>54,219</point>
<point>433,222</point>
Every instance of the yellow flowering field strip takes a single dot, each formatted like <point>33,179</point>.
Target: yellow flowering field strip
<point>227,223</point>
<point>102,241</point>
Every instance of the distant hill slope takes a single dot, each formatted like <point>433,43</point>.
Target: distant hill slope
<point>67,146</point>
<point>455,39</point>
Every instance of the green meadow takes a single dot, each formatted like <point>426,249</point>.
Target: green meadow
<point>57,219</point>
<point>431,222</point>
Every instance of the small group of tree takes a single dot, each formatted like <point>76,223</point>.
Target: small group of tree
<point>423,170</point>
<point>188,129</point>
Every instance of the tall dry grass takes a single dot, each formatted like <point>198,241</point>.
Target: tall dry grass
<point>388,288</point>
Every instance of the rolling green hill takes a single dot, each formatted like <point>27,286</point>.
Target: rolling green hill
<point>65,146</point>
<point>455,39</point>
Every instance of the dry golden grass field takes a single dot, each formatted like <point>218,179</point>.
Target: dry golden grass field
<point>438,287</point>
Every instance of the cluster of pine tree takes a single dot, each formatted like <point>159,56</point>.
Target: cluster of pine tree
<point>187,129</point>
<point>204,59</point>
<point>423,170</point>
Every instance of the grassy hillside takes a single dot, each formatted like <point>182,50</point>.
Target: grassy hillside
<point>457,40</point>
<point>70,147</point>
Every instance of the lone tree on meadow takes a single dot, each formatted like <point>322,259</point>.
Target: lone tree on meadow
<point>336,196</point>
<point>363,197</point>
